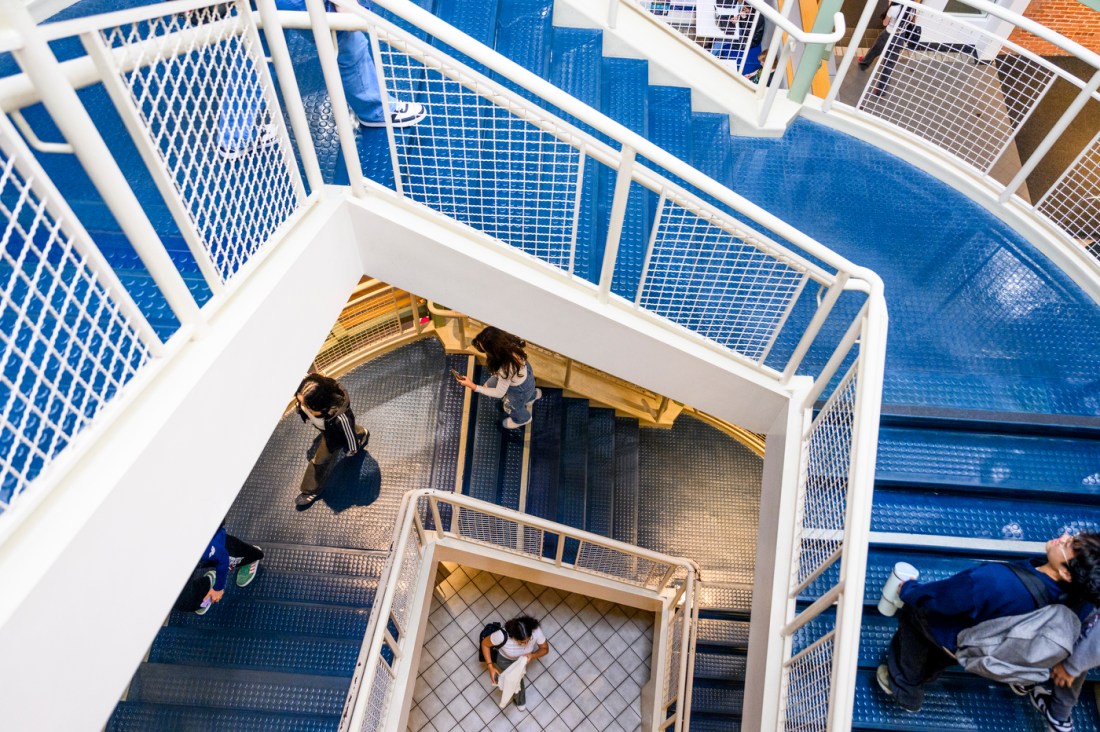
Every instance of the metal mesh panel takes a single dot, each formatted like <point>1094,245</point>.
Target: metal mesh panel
<point>806,693</point>
<point>967,92</point>
<point>715,283</point>
<point>213,121</point>
<point>378,698</point>
<point>672,669</point>
<point>374,320</point>
<point>1072,202</point>
<point>479,158</point>
<point>624,567</point>
<point>823,499</point>
<point>69,347</point>
<point>729,36</point>
<point>406,583</point>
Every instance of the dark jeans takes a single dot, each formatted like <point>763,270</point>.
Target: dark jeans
<point>914,659</point>
<point>199,585</point>
<point>1065,699</point>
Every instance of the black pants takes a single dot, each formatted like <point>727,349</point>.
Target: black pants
<point>914,659</point>
<point>199,585</point>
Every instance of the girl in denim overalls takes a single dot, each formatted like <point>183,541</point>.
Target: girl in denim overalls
<point>512,379</point>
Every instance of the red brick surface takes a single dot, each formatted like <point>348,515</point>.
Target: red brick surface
<point>1071,18</point>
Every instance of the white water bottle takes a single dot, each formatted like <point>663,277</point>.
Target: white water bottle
<point>890,602</point>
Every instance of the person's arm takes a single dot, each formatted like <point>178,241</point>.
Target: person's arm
<point>486,655</point>
<point>218,554</point>
<point>497,391</point>
<point>1085,656</point>
<point>952,596</point>
<point>539,652</point>
<point>346,427</point>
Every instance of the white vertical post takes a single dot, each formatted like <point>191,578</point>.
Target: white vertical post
<point>615,226</point>
<point>391,136</point>
<point>776,82</point>
<point>322,35</point>
<point>72,119</point>
<point>849,54</point>
<point>1051,137</point>
<point>814,327</point>
<point>288,83</point>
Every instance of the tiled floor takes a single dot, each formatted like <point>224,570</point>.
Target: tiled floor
<point>591,679</point>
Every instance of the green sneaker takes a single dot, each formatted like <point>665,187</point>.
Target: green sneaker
<point>247,573</point>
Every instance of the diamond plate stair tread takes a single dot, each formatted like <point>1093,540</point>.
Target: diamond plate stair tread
<point>542,485</point>
<point>719,666</point>
<point>712,516</point>
<point>484,466</point>
<point>722,632</point>
<point>600,487</point>
<point>710,144</point>
<point>716,699</point>
<point>394,396</point>
<point>448,429</point>
<point>237,689</point>
<point>524,31</point>
<point>624,524</point>
<point>955,704</point>
<point>989,461</point>
<point>141,717</point>
<point>574,463</point>
<point>670,119</point>
<point>260,651</point>
<point>985,517</point>
<point>511,468</point>
<point>475,18</point>
<point>322,560</point>
<point>702,722</point>
<point>316,588</point>
<point>716,597</point>
<point>330,621</point>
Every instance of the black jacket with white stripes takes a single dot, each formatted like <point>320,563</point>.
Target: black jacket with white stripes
<point>339,429</point>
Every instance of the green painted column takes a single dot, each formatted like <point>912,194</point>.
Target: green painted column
<point>814,53</point>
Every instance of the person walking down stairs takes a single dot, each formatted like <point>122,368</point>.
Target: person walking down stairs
<point>324,403</point>
<point>512,380</point>
<point>224,554</point>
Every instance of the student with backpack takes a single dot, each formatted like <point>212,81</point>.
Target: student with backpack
<point>501,648</point>
<point>935,612</point>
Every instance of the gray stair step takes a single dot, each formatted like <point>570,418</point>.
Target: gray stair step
<point>144,717</point>
<point>719,666</point>
<point>331,621</point>
<point>302,587</point>
<point>731,599</point>
<point>236,689</point>
<point>722,632</point>
<point>307,559</point>
<point>717,699</point>
<point>251,650</point>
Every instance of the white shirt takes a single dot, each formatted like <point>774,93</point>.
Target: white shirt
<point>501,388</point>
<point>513,649</point>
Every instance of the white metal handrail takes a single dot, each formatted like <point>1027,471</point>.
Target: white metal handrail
<point>986,89</point>
<point>426,516</point>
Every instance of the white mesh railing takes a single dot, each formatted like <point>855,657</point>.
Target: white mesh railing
<point>1073,202</point>
<point>427,516</point>
<point>377,316</point>
<point>487,156</point>
<point>730,30</point>
<point>72,337</point>
<point>970,92</point>
<point>807,678</point>
<point>195,89</point>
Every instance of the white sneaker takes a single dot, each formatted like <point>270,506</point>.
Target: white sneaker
<point>511,425</point>
<point>521,707</point>
<point>402,114</point>
<point>265,137</point>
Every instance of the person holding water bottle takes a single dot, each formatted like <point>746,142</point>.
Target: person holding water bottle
<point>931,614</point>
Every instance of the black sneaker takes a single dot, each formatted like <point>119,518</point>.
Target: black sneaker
<point>1040,698</point>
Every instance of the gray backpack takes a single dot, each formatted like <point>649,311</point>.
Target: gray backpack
<point>1019,649</point>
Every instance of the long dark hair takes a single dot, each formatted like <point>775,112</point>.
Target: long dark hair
<point>521,628</point>
<point>503,351</point>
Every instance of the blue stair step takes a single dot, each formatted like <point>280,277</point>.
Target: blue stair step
<point>1002,422</point>
<point>717,697</point>
<point>524,32</point>
<point>290,653</point>
<point>600,482</point>
<point>475,18</point>
<point>510,474</point>
<point>575,67</point>
<point>142,717</point>
<point>722,633</point>
<point>330,621</point>
<point>448,426</point>
<point>987,461</point>
<point>703,722</point>
<point>625,100</point>
<point>273,584</point>
<point>956,704</point>
<point>719,666</point>
<point>710,144</point>
<point>933,566</point>
<point>946,514</point>
<point>236,689</point>
<point>670,119</point>
<point>572,475</point>
<point>542,486</point>
<point>483,475</point>
<point>624,525</point>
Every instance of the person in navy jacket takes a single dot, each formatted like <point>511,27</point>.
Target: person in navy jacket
<point>223,554</point>
<point>935,612</point>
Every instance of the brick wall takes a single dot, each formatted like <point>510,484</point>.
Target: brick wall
<point>1069,17</point>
